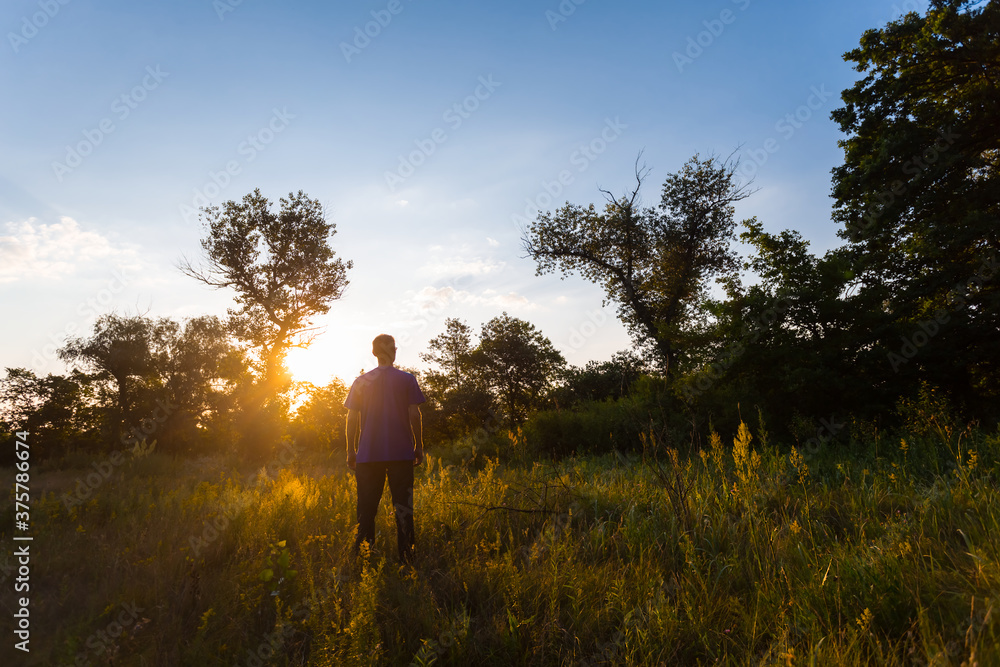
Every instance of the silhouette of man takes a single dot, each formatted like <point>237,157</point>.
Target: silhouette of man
<point>385,439</point>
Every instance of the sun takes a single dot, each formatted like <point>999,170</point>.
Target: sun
<point>328,357</point>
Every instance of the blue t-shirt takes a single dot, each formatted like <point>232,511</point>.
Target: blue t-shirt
<point>384,396</point>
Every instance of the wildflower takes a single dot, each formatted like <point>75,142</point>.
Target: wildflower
<point>795,527</point>
<point>865,620</point>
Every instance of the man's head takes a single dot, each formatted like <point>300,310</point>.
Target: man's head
<point>384,348</point>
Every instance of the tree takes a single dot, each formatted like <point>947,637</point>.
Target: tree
<point>601,380</point>
<point>518,364</point>
<point>282,268</point>
<point>457,387</point>
<point>919,191</point>
<point>122,350</point>
<point>59,411</point>
<point>655,264</point>
<point>786,341</point>
<point>320,421</point>
<point>203,375</point>
<point>160,376</point>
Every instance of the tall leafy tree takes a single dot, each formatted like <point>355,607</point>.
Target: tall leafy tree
<point>785,342</point>
<point>455,383</point>
<point>124,351</point>
<point>282,268</point>
<point>518,365</point>
<point>919,192</point>
<point>176,378</point>
<point>656,263</point>
<point>59,411</point>
<point>320,421</point>
<point>204,375</point>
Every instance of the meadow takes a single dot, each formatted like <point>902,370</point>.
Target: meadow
<point>881,548</point>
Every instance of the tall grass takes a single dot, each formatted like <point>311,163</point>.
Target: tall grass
<point>745,553</point>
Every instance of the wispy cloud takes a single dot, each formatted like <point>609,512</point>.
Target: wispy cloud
<point>33,250</point>
<point>437,298</point>
<point>461,266</point>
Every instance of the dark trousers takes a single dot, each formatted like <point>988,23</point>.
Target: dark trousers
<point>370,478</point>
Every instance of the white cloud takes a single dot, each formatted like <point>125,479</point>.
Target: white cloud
<point>38,250</point>
<point>436,299</point>
<point>493,242</point>
<point>459,266</point>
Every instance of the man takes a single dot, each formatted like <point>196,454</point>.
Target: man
<point>385,439</point>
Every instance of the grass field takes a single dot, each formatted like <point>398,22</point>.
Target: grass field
<point>748,552</point>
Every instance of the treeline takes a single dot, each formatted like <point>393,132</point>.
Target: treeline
<point>907,309</point>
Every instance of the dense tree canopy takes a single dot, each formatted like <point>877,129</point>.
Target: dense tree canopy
<point>656,263</point>
<point>282,268</point>
<point>455,383</point>
<point>127,351</point>
<point>517,363</point>
<point>919,192</point>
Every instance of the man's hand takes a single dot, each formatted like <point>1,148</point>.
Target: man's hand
<point>416,425</point>
<point>353,433</point>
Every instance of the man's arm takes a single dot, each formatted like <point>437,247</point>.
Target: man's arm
<point>353,433</point>
<point>416,425</point>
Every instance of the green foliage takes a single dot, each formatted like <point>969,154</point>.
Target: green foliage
<point>179,383</point>
<point>60,412</point>
<point>655,264</point>
<point>518,365</point>
<point>277,568</point>
<point>319,422</point>
<point>750,554</point>
<point>918,197</point>
<point>460,399</point>
<point>511,371</point>
<point>282,268</point>
<point>599,380</point>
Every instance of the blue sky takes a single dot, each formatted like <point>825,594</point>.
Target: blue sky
<point>427,129</point>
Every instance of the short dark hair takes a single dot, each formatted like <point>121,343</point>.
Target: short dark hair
<point>384,345</point>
